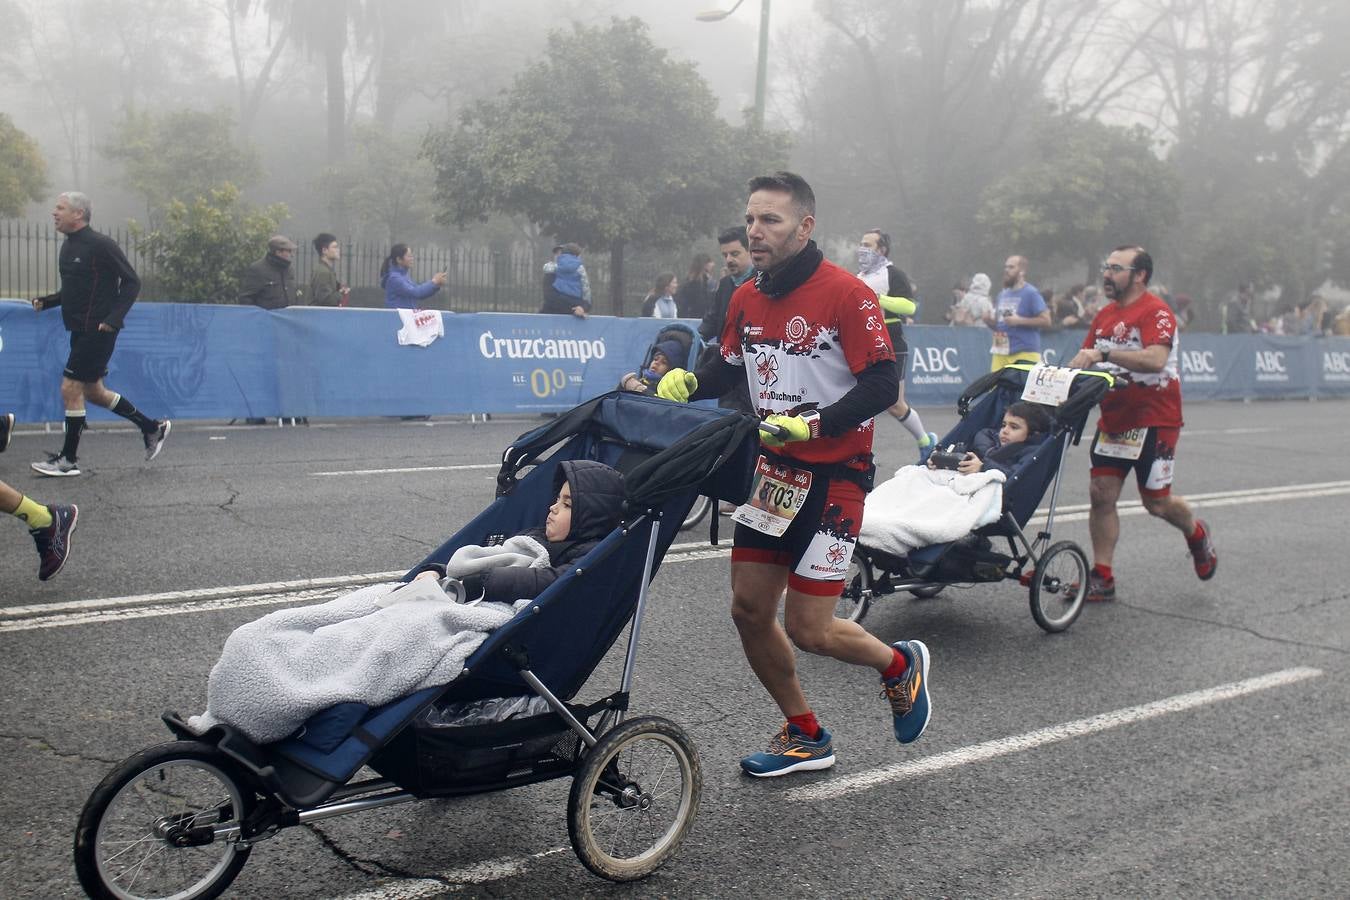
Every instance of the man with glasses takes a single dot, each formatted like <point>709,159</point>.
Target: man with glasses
<point>1134,337</point>
<point>1020,312</point>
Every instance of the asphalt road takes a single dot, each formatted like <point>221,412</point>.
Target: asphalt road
<point>1137,754</point>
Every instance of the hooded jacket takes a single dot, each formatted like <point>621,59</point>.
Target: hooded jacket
<point>597,507</point>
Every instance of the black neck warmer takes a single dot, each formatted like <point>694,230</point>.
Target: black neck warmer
<point>792,274</point>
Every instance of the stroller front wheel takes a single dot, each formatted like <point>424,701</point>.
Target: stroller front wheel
<point>1059,586</point>
<point>165,823</point>
<point>856,598</point>
<point>697,512</point>
<point>634,798</point>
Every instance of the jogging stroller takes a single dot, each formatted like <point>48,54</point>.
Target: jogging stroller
<point>180,819</point>
<point>1056,574</point>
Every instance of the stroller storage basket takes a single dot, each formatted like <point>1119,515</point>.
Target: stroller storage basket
<point>431,760</point>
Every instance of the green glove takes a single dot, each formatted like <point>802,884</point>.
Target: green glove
<point>677,385</point>
<point>897,306</point>
<point>795,428</point>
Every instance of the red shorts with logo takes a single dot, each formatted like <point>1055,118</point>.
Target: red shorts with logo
<point>1154,467</point>
<point>818,545</point>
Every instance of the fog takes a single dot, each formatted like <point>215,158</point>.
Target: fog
<point>1215,132</point>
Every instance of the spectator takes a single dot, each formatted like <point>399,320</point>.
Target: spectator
<point>400,291</point>
<point>1069,309</point>
<point>569,290</point>
<point>270,282</point>
<point>324,287</point>
<point>693,296</point>
<point>1019,315</point>
<point>1184,311</point>
<point>958,291</point>
<point>735,249</point>
<point>1310,321</point>
<point>975,307</point>
<point>1237,313</point>
<point>1093,301</point>
<point>660,300</point>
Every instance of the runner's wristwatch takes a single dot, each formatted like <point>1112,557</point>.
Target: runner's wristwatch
<point>1106,354</point>
<point>812,420</point>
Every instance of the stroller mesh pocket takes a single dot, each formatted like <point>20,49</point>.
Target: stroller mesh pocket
<point>429,759</point>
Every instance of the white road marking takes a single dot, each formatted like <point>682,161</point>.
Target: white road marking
<point>79,612</point>
<point>852,784</point>
<point>171,603</point>
<point>411,469</point>
<point>477,873</point>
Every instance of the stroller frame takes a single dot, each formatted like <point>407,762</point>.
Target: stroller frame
<point>1055,573</point>
<point>217,793</point>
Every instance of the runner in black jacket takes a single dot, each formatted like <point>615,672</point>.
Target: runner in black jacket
<point>98,287</point>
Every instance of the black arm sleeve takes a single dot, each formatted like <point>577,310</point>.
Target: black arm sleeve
<point>877,389</point>
<point>716,377</point>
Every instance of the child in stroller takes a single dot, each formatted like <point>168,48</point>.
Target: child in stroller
<point>1024,426</point>
<point>662,360</point>
<point>588,504</point>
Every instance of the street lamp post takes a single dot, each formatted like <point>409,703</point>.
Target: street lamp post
<point>762,63</point>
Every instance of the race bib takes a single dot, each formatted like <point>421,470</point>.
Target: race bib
<point>1048,384</point>
<point>1000,346</point>
<point>1121,445</point>
<point>778,494</point>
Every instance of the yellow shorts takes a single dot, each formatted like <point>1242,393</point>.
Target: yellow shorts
<point>999,360</point>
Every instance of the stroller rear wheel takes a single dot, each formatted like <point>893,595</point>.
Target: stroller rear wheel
<point>697,512</point>
<point>634,798</point>
<point>165,823</point>
<point>1059,586</point>
<point>856,598</point>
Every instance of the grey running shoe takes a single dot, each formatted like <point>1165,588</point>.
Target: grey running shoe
<point>154,440</point>
<point>56,467</point>
<point>53,542</point>
<point>6,429</point>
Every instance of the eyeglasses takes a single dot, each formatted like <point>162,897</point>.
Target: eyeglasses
<point>1116,268</point>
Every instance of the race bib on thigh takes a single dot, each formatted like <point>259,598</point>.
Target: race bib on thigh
<point>1121,444</point>
<point>826,558</point>
<point>778,494</point>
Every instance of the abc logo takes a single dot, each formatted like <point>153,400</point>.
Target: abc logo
<point>1270,362</point>
<point>936,359</point>
<point>1197,362</point>
<point>1336,363</point>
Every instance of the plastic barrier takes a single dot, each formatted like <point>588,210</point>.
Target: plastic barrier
<point>221,362</point>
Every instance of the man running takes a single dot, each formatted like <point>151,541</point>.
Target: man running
<point>810,340</point>
<point>1134,338</point>
<point>98,287</point>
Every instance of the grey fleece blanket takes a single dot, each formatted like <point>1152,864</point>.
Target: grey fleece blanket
<point>371,646</point>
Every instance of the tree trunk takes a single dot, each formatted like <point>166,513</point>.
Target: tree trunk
<point>616,276</point>
<point>336,45</point>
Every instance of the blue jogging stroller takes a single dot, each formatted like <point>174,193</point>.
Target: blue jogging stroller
<point>1056,574</point>
<point>180,819</point>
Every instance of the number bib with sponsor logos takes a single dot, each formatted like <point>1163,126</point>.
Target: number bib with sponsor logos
<point>1048,384</point>
<point>1001,345</point>
<point>778,494</point>
<point>1123,444</point>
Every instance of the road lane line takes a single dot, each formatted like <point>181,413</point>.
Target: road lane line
<point>44,615</point>
<point>852,784</point>
<point>412,469</point>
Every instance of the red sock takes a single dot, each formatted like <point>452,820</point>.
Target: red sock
<point>897,667</point>
<point>807,724</point>
<point>1104,571</point>
<point>1198,534</point>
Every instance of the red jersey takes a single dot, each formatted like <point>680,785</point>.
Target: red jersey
<point>803,351</point>
<point>1139,399</point>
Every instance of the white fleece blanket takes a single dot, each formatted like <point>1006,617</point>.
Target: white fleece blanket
<point>921,506</point>
<point>371,646</point>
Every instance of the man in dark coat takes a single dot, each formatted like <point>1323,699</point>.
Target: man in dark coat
<point>270,282</point>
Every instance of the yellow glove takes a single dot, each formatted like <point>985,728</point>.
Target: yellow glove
<point>677,385</point>
<point>794,428</point>
<point>897,306</point>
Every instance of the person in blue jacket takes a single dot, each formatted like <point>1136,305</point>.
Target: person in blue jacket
<point>400,291</point>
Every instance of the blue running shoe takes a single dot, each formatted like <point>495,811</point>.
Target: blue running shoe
<point>791,751</point>
<point>927,450</point>
<point>908,694</point>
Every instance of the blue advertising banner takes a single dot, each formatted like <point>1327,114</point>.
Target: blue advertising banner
<point>221,362</point>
